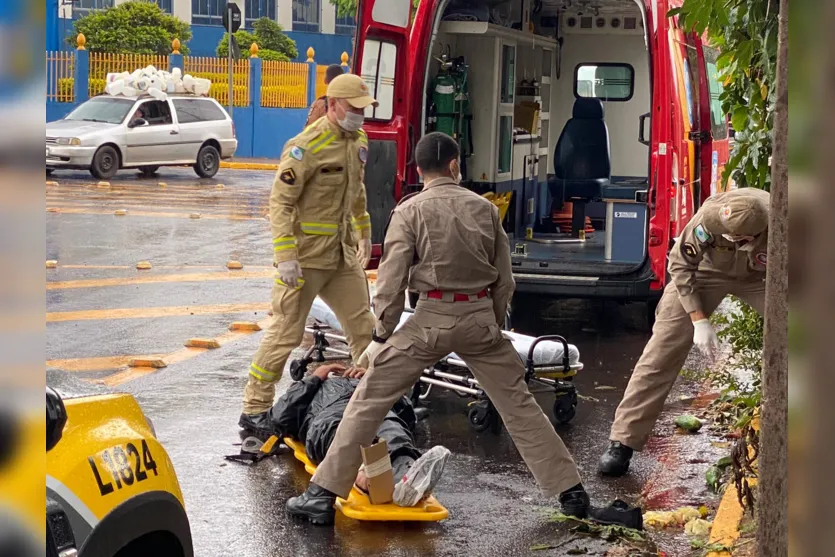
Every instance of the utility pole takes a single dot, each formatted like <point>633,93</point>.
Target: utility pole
<point>773,500</point>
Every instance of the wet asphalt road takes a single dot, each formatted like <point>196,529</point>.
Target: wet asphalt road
<point>102,311</point>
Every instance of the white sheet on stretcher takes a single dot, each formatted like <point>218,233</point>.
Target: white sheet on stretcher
<point>545,353</point>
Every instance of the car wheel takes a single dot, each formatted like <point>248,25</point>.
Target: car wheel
<point>208,162</point>
<point>105,163</point>
<point>148,170</point>
<point>49,171</point>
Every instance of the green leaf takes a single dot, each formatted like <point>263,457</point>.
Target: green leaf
<point>739,118</point>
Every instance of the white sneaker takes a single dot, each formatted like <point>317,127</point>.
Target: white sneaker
<point>422,477</point>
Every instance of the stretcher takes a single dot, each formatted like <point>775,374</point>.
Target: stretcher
<point>550,362</point>
<point>358,507</point>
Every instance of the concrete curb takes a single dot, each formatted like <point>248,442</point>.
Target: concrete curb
<point>725,529</point>
<point>249,165</point>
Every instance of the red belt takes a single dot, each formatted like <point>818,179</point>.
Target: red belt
<point>438,295</point>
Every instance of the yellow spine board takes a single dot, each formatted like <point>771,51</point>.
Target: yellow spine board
<point>358,507</point>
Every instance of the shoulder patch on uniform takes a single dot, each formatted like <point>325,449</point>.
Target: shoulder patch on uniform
<point>726,212</point>
<point>288,177</point>
<point>702,235</point>
<point>762,258</point>
<point>297,153</point>
<point>363,154</point>
<point>688,249</point>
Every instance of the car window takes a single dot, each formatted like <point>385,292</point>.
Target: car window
<point>211,111</point>
<point>156,113</point>
<point>194,110</point>
<point>102,109</point>
<point>188,111</point>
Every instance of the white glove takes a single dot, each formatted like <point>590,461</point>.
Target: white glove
<point>290,272</point>
<point>705,338</point>
<point>370,353</point>
<point>364,252</point>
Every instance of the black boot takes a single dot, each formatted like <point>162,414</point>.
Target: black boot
<point>575,502</point>
<point>258,425</point>
<point>615,461</point>
<point>315,504</point>
<point>618,514</point>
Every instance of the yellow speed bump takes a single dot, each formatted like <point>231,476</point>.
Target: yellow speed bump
<point>194,216</point>
<point>202,343</point>
<point>244,326</point>
<point>53,210</point>
<point>121,212</point>
<point>103,184</point>
<point>51,263</point>
<point>52,183</point>
<point>234,265</point>
<point>143,265</point>
<point>162,184</point>
<point>156,363</point>
<point>220,186</point>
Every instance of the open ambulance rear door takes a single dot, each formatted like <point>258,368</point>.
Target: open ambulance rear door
<point>381,58</point>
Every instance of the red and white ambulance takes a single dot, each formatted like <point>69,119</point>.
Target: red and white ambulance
<point>598,120</point>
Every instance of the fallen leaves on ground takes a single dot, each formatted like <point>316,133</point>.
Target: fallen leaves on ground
<point>608,533</point>
<point>677,518</point>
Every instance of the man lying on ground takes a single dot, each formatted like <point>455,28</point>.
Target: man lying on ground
<point>311,410</point>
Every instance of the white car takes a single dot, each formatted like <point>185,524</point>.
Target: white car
<point>108,133</point>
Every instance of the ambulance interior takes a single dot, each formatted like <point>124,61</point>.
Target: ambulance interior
<point>573,87</point>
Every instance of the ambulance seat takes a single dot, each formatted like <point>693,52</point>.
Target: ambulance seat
<point>582,160</point>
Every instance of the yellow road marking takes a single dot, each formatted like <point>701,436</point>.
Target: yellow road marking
<point>75,211</point>
<point>725,529</point>
<point>146,313</point>
<point>96,364</point>
<point>184,277</point>
<point>67,205</point>
<point>178,267</point>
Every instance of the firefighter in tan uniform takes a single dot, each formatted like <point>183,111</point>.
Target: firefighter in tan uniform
<point>721,251</point>
<point>447,243</point>
<point>321,240</point>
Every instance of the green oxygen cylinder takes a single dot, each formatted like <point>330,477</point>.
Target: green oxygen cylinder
<point>443,96</point>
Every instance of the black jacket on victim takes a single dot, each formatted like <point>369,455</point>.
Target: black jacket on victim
<point>311,410</point>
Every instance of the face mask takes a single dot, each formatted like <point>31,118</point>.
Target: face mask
<point>351,122</point>
<point>456,172</point>
<point>743,243</point>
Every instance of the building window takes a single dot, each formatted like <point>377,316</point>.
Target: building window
<point>207,12</point>
<point>307,15</point>
<point>166,5</point>
<point>256,9</point>
<point>81,8</point>
<point>345,25</point>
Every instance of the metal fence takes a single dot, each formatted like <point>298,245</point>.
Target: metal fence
<point>59,85</point>
<point>284,84</point>
<point>321,88</point>
<point>102,64</point>
<point>216,70</point>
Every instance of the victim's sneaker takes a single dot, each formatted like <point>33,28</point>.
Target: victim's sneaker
<point>422,477</point>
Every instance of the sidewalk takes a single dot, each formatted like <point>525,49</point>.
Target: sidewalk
<point>250,164</point>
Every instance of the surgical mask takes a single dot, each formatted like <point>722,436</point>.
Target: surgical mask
<point>351,122</point>
<point>455,171</point>
<point>743,243</point>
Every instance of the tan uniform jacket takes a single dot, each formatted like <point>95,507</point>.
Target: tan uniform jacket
<point>703,254</point>
<point>445,238</point>
<point>318,197</point>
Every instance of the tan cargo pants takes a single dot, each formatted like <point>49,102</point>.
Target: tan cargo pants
<point>345,290</point>
<point>435,330</point>
<point>664,355</point>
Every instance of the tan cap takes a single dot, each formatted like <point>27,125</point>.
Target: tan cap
<point>352,88</point>
<point>742,212</point>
